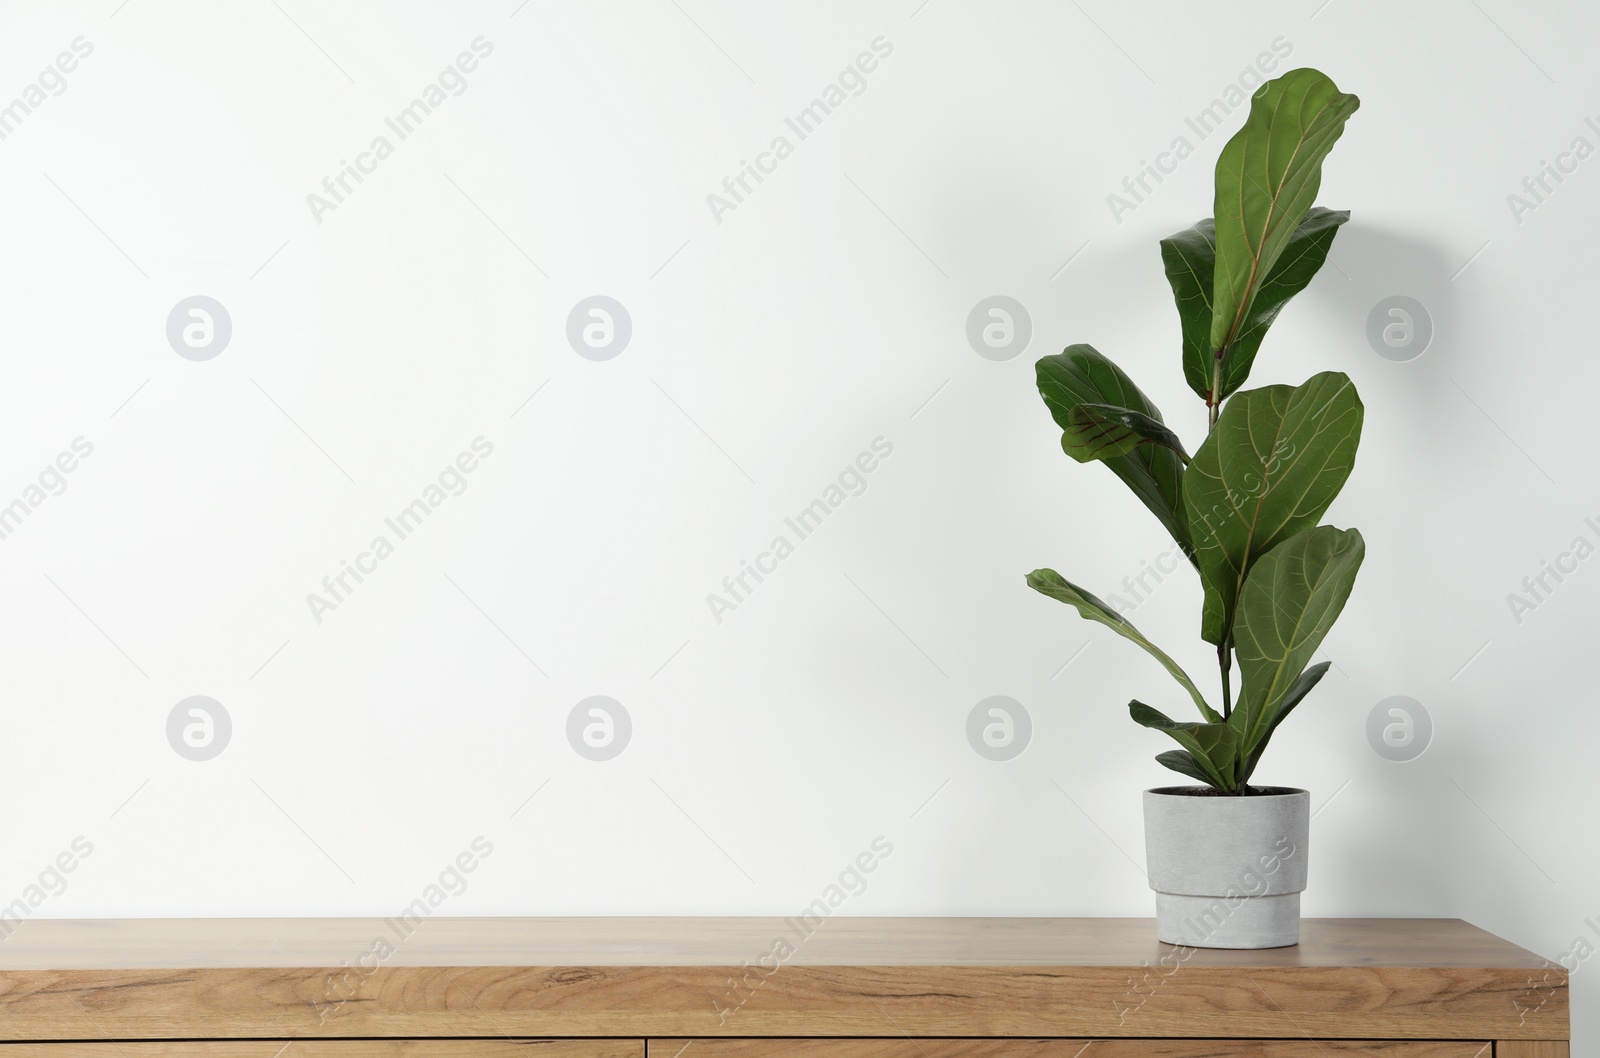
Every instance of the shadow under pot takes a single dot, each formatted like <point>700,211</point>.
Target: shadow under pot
<point>1227,870</point>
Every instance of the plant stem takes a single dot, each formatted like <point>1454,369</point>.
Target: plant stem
<point>1225,662</point>
<point>1214,402</point>
<point>1214,408</point>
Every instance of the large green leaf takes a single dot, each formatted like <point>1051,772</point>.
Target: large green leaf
<point>1267,178</point>
<point>1302,687</point>
<point>1290,600</point>
<point>1190,257</point>
<point>1184,762</point>
<point>1275,461</point>
<point>1213,746</point>
<point>1301,259</point>
<point>1049,582</point>
<point>1154,473</point>
<point>1105,431</point>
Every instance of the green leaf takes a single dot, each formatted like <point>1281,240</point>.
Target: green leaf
<point>1190,257</point>
<point>1290,600</point>
<point>1275,461</point>
<point>1105,431</point>
<point>1267,178</point>
<point>1213,746</point>
<point>1049,582</point>
<point>1182,761</point>
<point>1302,687</point>
<point>1301,259</point>
<point>1154,473</point>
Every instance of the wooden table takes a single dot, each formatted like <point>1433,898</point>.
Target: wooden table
<point>774,988</point>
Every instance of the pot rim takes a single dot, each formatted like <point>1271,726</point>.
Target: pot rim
<point>1202,793</point>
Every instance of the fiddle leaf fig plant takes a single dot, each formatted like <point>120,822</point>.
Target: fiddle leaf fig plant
<point>1246,507</point>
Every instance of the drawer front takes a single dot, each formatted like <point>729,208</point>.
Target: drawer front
<point>332,1049</point>
<point>932,1048</point>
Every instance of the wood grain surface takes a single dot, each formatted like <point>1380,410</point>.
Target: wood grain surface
<point>644,978</point>
<point>332,1049</point>
<point>67,944</point>
<point>1066,1049</point>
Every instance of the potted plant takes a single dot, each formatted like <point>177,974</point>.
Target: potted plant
<point>1226,859</point>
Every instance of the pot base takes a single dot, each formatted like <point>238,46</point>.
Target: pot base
<point>1208,921</point>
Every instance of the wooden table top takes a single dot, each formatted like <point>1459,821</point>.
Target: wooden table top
<point>685,978</point>
<point>41,944</point>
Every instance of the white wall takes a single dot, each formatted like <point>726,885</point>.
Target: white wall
<point>771,344</point>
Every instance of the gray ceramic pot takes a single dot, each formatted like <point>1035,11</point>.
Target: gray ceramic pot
<point>1227,871</point>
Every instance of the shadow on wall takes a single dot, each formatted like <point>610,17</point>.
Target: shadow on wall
<point>1370,267</point>
<point>1380,280</point>
<point>1388,300</point>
